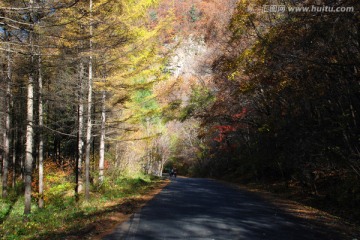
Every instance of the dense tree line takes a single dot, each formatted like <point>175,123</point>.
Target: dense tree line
<point>62,62</point>
<point>287,101</point>
<point>129,86</point>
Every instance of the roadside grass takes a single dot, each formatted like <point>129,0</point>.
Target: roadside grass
<point>62,215</point>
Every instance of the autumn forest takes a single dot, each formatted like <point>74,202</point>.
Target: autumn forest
<point>99,99</point>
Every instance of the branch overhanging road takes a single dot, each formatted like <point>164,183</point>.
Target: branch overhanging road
<point>207,209</point>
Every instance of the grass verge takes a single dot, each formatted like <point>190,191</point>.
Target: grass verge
<point>63,218</point>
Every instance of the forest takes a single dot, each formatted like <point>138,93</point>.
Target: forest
<point>99,98</point>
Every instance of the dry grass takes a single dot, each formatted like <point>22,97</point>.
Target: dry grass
<point>117,212</point>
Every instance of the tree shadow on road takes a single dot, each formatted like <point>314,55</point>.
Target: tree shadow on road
<point>207,209</point>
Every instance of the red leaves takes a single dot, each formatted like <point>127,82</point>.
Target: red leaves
<point>240,115</point>
<point>226,129</point>
<point>223,130</point>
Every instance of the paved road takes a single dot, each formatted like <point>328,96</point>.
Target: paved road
<point>206,209</point>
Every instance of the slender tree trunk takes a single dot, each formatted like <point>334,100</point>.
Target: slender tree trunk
<point>89,124</point>
<point>22,137</point>
<point>102,138</point>
<point>14,143</point>
<point>29,127</point>
<point>148,147</point>
<point>41,141</point>
<point>117,157</point>
<point>14,137</point>
<point>6,158</point>
<point>29,143</point>
<point>163,159</point>
<point>78,167</point>
<point>60,159</point>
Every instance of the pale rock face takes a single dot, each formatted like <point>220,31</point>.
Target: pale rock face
<point>188,59</point>
<point>189,65</point>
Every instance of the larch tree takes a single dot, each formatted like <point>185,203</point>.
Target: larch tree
<point>30,114</point>
<point>7,112</point>
<point>80,140</point>
<point>102,135</point>
<point>75,48</point>
<point>89,106</point>
<point>41,124</point>
<point>120,44</point>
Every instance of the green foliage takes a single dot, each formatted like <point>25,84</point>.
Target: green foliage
<point>145,100</point>
<point>145,107</point>
<point>64,213</point>
<point>200,100</point>
<point>153,16</point>
<point>125,186</point>
<point>5,207</point>
<point>194,14</point>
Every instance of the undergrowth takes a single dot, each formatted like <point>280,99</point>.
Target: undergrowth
<point>61,212</point>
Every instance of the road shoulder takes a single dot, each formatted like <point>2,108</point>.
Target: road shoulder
<point>295,209</point>
<point>117,213</point>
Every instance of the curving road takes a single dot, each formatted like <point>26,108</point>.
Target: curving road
<point>206,209</point>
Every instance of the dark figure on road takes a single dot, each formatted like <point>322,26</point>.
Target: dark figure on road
<point>173,172</point>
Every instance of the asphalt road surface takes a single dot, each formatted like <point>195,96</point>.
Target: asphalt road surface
<point>194,209</point>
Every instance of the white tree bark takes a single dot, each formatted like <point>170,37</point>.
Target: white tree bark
<point>79,179</point>
<point>6,158</point>
<point>29,130</point>
<point>41,141</point>
<point>89,123</point>
<point>102,138</point>
<point>29,143</point>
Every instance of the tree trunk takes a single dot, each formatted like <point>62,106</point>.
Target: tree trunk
<point>89,124</point>
<point>29,127</point>
<point>41,141</point>
<point>117,157</point>
<point>102,138</point>
<point>6,158</point>
<point>163,159</point>
<point>14,143</point>
<point>29,143</point>
<point>78,167</point>
<point>148,149</point>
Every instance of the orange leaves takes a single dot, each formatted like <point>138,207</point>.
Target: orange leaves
<point>198,15</point>
<point>227,129</point>
<point>107,164</point>
<point>55,180</point>
<point>223,130</point>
